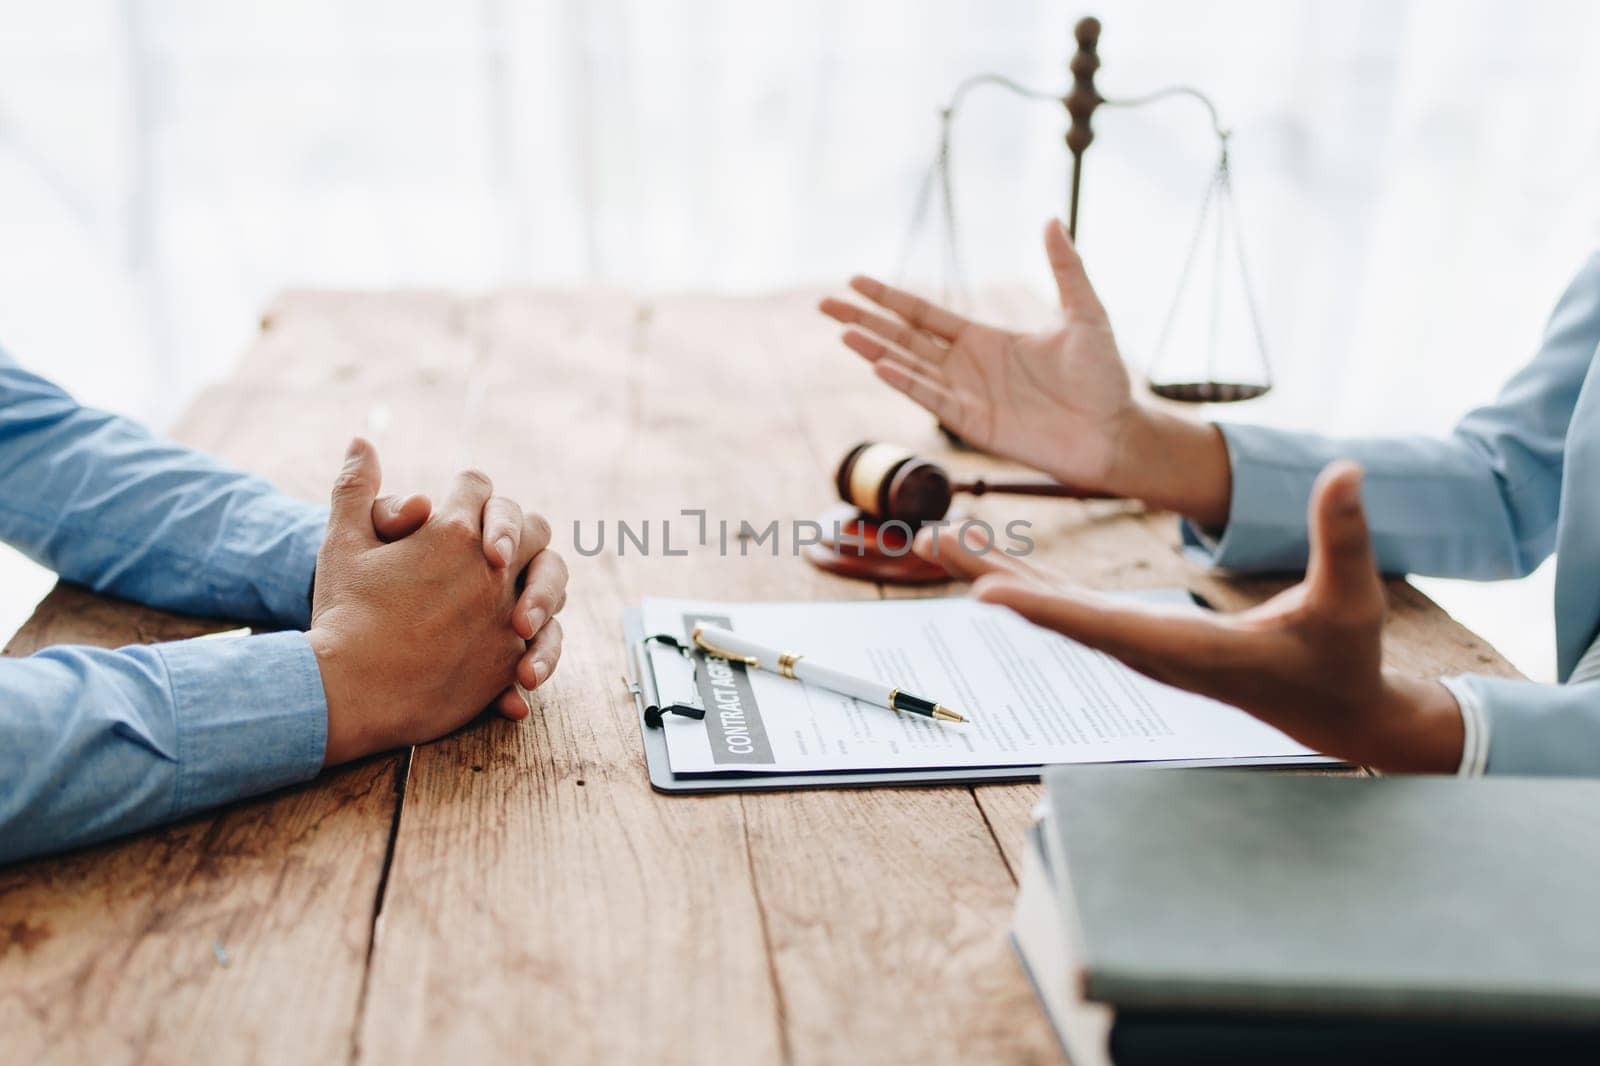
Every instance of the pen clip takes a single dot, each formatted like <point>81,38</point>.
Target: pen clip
<point>704,645</point>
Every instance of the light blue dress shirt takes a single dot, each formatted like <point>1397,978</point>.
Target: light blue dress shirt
<point>1518,479</point>
<point>96,743</point>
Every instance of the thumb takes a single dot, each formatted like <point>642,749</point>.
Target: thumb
<point>395,518</point>
<point>1072,283</point>
<point>1342,569</point>
<point>354,490</point>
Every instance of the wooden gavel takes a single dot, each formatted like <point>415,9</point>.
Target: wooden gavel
<point>890,483</point>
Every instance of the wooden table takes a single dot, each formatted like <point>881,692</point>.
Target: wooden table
<point>517,892</point>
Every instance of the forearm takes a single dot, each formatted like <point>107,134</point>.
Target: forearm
<point>1434,506</point>
<point>1176,464</point>
<point>1421,730</point>
<point>106,504</point>
<point>97,743</point>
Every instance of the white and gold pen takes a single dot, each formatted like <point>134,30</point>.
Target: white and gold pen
<point>726,644</point>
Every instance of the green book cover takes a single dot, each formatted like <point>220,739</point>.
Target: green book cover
<point>1319,895</point>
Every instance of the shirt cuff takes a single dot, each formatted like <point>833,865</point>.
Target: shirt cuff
<point>1474,727</point>
<point>251,716</point>
<point>1266,527</point>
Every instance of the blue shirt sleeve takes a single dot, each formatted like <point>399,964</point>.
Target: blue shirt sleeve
<point>97,743</point>
<point>1535,729</point>
<point>104,503</point>
<point>1482,503</point>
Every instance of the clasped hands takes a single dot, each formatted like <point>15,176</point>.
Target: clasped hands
<point>1307,661</point>
<point>421,618</point>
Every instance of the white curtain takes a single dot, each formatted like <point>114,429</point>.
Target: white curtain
<point>1415,180</point>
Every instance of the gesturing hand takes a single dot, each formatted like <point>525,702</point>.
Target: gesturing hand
<point>1308,661</point>
<point>415,637</point>
<point>1059,401</point>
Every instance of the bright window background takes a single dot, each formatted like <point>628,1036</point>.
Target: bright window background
<point>1416,180</point>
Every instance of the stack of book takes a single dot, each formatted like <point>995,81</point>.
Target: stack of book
<point>1226,916</point>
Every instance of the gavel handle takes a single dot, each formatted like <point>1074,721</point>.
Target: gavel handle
<point>1029,488</point>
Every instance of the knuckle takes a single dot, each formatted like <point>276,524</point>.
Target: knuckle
<point>477,478</point>
<point>347,483</point>
<point>507,508</point>
<point>559,573</point>
<point>458,526</point>
<point>496,526</point>
<point>538,528</point>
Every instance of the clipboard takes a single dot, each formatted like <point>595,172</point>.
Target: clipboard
<point>641,685</point>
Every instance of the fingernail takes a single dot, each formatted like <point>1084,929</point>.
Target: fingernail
<point>536,618</point>
<point>541,670</point>
<point>504,547</point>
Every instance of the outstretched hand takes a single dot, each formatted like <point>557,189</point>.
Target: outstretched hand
<point>1308,661</point>
<point>1058,400</point>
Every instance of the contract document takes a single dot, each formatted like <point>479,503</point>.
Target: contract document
<point>1031,697</point>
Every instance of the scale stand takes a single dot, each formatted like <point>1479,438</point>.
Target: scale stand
<point>1224,374</point>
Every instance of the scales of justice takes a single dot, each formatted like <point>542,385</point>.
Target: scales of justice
<point>888,491</point>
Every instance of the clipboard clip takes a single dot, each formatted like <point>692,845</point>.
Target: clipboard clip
<point>681,699</point>
<point>670,641</point>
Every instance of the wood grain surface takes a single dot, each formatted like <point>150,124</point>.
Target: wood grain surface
<point>516,892</point>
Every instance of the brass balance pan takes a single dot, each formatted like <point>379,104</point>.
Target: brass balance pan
<point>1209,391</point>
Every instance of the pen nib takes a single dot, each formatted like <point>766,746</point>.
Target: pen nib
<point>945,714</point>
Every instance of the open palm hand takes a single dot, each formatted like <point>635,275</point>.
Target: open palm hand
<point>1308,661</point>
<point>1059,400</point>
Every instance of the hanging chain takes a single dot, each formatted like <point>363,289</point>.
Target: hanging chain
<point>939,173</point>
<point>1244,269</point>
<point>952,271</point>
<point>1212,186</point>
<point>1219,194</point>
